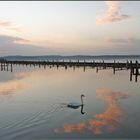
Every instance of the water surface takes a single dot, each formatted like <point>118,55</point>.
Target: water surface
<point>33,104</point>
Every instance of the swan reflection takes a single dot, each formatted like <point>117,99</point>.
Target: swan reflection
<point>75,105</point>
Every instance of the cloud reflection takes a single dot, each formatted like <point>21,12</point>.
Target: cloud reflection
<point>15,85</point>
<point>108,120</point>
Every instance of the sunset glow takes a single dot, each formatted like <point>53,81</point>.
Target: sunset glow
<point>68,28</point>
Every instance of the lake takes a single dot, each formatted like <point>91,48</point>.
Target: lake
<point>33,103</point>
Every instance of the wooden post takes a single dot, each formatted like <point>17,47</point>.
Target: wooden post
<point>53,63</point>
<point>97,69</point>
<point>78,62</point>
<point>11,67</point>
<point>127,63</point>
<point>66,67</point>
<point>114,67</point>
<point>44,66</point>
<point>103,65</point>
<point>131,70</point>
<point>39,64</point>
<point>136,73</point>
<point>4,66</point>
<point>1,67</point>
<point>7,67</point>
<point>84,69</point>
<point>74,67</point>
<point>57,66</point>
<point>118,65</point>
<point>93,64</point>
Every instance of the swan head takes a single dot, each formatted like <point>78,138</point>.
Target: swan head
<point>82,95</point>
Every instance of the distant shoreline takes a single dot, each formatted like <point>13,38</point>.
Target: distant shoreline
<point>72,57</point>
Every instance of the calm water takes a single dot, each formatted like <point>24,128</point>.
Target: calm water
<point>33,104</point>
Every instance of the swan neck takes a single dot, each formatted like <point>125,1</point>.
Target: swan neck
<point>82,100</point>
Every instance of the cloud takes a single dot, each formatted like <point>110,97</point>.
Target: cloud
<point>108,120</point>
<point>10,26</point>
<point>112,14</point>
<point>9,39</point>
<point>16,45</point>
<point>123,40</point>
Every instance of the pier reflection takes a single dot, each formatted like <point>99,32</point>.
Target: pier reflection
<point>115,66</point>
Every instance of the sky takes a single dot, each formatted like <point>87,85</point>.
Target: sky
<point>69,27</point>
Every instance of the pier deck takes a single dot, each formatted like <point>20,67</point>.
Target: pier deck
<point>6,65</point>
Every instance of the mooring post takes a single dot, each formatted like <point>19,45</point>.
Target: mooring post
<point>39,64</point>
<point>57,66</point>
<point>118,65</point>
<point>11,67</point>
<point>127,63</point>
<point>1,67</point>
<point>136,74</point>
<point>131,70</point>
<point>53,63</point>
<point>7,66</point>
<point>70,62</point>
<point>4,66</point>
<point>103,65</point>
<point>114,65</point>
<point>84,69</point>
<point>93,63</point>
<point>44,65</point>
<point>97,69</point>
<point>78,62</point>
<point>65,66</point>
<point>74,67</point>
<point>84,65</point>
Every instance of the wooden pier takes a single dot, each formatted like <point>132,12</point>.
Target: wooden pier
<point>102,65</point>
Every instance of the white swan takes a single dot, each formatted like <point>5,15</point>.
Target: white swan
<point>77,105</point>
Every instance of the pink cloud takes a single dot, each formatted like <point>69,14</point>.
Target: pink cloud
<point>123,40</point>
<point>10,26</point>
<point>112,14</point>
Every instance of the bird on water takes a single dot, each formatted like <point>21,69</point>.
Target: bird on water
<point>76,105</point>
